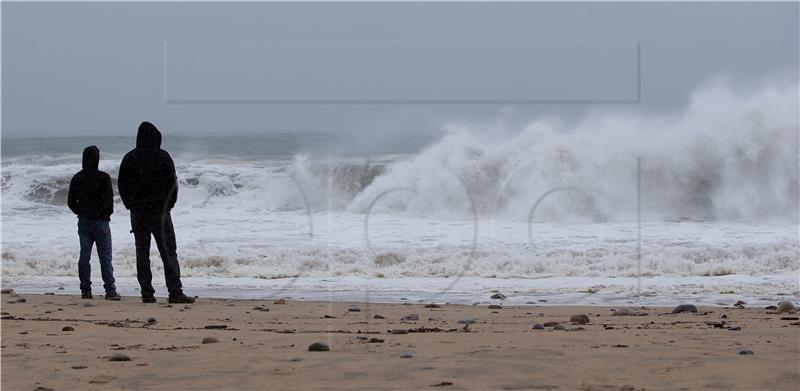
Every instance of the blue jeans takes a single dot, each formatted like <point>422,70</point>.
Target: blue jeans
<point>91,232</point>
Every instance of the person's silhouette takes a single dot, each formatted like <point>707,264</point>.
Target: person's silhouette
<point>148,187</point>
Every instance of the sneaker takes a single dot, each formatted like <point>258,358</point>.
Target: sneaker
<point>180,298</point>
<point>148,299</point>
<point>86,295</point>
<point>113,295</point>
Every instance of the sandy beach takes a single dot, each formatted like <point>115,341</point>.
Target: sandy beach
<point>59,342</point>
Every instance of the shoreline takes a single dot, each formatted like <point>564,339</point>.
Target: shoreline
<point>59,342</point>
<point>717,291</point>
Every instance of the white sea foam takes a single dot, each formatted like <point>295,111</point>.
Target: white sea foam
<point>719,190</point>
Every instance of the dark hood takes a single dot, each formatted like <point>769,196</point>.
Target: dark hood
<point>149,137</point>
<point>91,158</point>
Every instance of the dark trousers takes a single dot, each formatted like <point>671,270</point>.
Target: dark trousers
<point>160,227</point>
<point>90,232</point>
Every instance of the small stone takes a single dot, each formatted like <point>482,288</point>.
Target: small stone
<point>260,308</point>
<point>7,291</point>
<point>684,308</point>
<point>739,304</point>
<point>495,307</point>
<point>21,300</point>
<point>79,367</point>
<point>378,316</point>
<point>210,340</point>
<point>410,318</point>
<point>375,340</point>
<point>443,384</point>
<point>61,288</point>
<point>88,304</point>
<point>784,306</point>
<point>538,326</point>
<point>623,312</point>
<point>559,327</point>
<point>746,352</point>
<point>551,324</point>
<point>318,347</point>
<point>330,317</point>
<point>579,319</point>
<point>102,379</point>
<point>433,306</point>
<point>399,331</point>
<point>354,309</point>
<point>467,321</point>
<point>735,328</point>
<point>119,357</point>
<point>499,296</point>
<point>151,320</point>
<point>407,355</point>
<point>67,328</point>
<point>280,301</point>
<point>216,327</point>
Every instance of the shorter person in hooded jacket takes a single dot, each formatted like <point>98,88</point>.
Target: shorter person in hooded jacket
<point>148,187</point>
<point>92,199</point>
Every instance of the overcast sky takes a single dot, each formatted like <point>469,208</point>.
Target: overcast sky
<point>99,68</point>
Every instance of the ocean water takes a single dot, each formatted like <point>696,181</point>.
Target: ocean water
<point>699,205</point>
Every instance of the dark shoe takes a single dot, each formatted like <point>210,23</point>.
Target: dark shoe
<point>113,296</point>
<point>86,295</point>
<point>181,299</point>
<point>148,299</point>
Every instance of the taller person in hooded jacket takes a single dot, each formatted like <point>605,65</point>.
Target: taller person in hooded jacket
<point>92,199</point>
<point>148,187</point>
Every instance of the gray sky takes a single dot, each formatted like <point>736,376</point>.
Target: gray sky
<point>99,68</point>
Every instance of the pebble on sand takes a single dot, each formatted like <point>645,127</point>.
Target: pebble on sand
<point>7,291</point>
<point>433,306</point>
<point>559,327</point>
<point>318,347</point>
<point>119,357</point>
<point>746,352</point>
<point>551,324</point>
<point>407,355</point>
<point>785,306</point>
<point>410,318</point>
<point>378,316</point>
<point>22,300</point>
<point>151,320</point>
<point>467,321</point>
<point>495,307</point>
<point>67,328</point>
<point>684,308</point>
<point>354,308</point>
<point>579,319</point>
<point>538,326</point>
<point>499,296</point>
<point>210,340</point>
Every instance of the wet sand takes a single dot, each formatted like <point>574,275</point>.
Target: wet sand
<point>264,345</point>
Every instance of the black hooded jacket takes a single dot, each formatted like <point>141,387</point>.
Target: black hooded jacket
<point>147,181</point>
<point>90,193</point>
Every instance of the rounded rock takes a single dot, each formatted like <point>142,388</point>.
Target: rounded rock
<point>67,328</point>
<point>318,347</point>
<point>538,326</point>
<point>785,306</point>
<point>119,357</point>
<point>684,308</point>
<point>579,319</point>
<point>210,340</point>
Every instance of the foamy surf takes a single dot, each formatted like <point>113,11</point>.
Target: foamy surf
<point>540,205</point>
